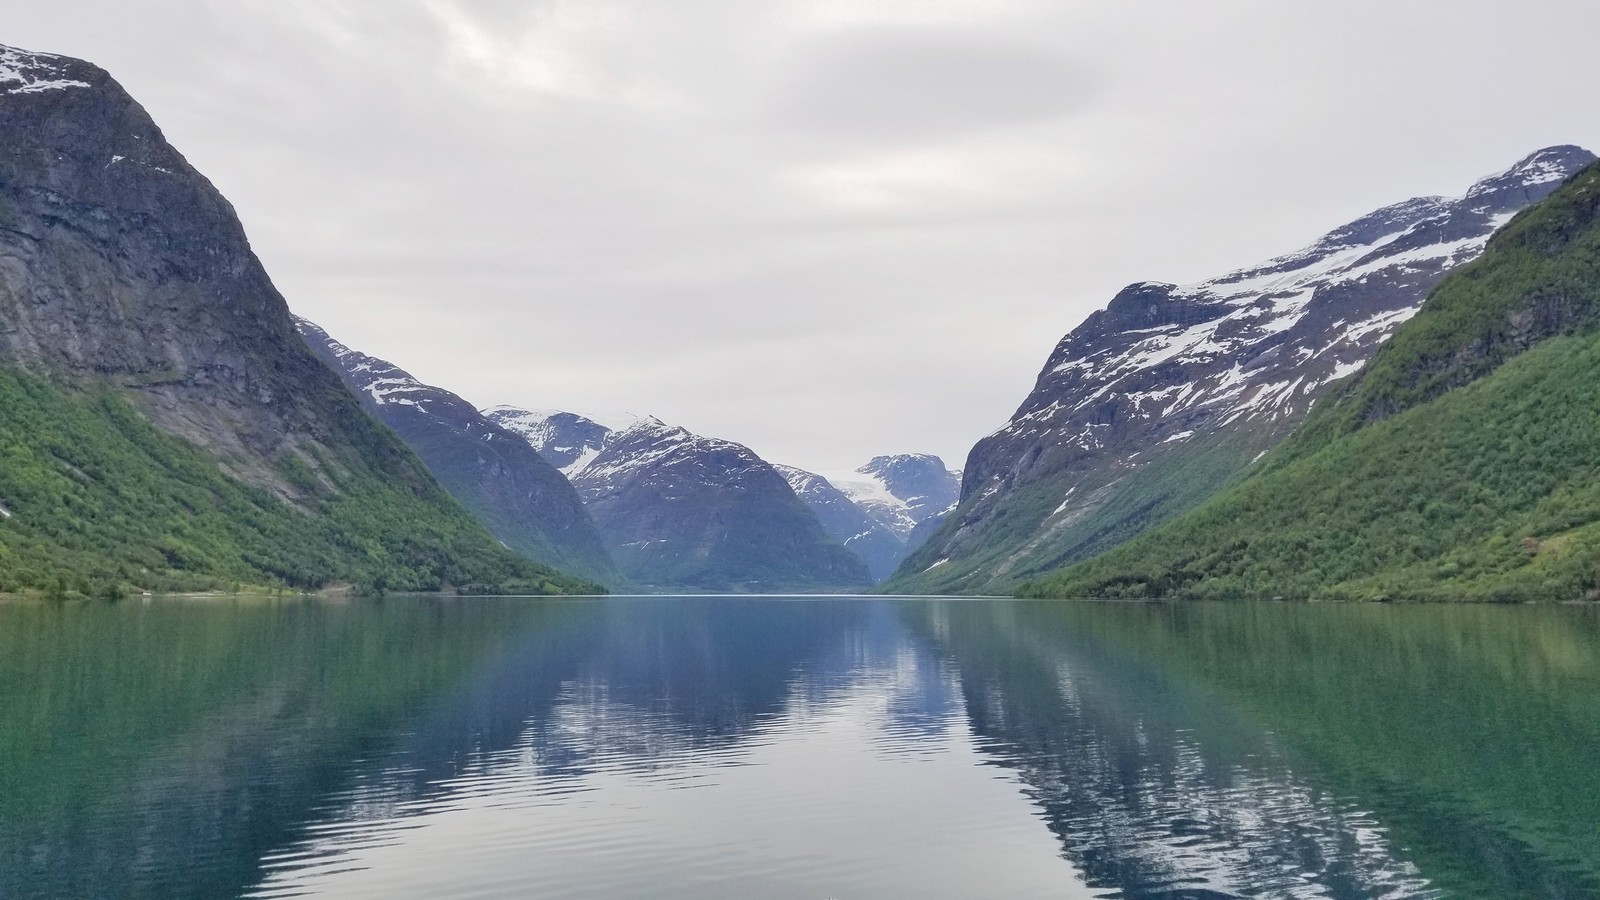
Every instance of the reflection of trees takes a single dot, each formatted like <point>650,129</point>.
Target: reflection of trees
<point>160,751</point>
<point>1153,788</point>
<point>1212,740</point>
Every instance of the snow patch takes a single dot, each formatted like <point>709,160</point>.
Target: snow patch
<point>22,72</point>
<point>572,469</point>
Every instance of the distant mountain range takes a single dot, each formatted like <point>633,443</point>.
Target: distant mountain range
<point>163,426</point>
<point>679,511</point>
<point>1154,403</point>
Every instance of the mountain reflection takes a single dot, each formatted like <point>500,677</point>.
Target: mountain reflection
<point>1277,750</point>
<point>1154,787</point>
<point>684,747</point>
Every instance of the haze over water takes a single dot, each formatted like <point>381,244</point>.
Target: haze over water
<point>854,747</point>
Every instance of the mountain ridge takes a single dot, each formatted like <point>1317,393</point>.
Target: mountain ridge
<point>1456,466</point>
<point>523,501</point>
<point>1156,401</point>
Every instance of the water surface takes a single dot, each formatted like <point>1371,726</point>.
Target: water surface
<point>850,748</point>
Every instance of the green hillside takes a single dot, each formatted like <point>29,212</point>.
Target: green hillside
<point>99,502</point>
<point>1462,464</point>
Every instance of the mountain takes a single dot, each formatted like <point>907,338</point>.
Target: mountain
<point>679,511</point>
<point>162,425</point>
<point>878,545</point>
<point>506,484</point>
<point>1459,465</point>
<point>902,491</point>
<point>1155,402</point>
<point>883,510</point>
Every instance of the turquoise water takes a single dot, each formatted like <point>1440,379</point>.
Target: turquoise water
<point>807,748</point>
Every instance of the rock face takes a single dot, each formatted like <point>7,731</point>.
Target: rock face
<point>124,271</point>
<point>496,475</point>
<point>121,261</point>
<point>1153,403</point>
<point>878,545</point>
<point>679,511</point>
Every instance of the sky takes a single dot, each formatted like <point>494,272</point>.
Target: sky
<point>827,229</point>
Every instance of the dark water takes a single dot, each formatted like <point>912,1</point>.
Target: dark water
<point>683,747</point>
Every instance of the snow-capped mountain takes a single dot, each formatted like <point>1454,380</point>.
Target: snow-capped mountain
<point>878,545</point>
<point>902,491</point>
<point>1149,405</point>
<point>682,511</point>
<point>566,440</point>
<point>883,510</point>
<point>507,486</point>
<point>24,72</point>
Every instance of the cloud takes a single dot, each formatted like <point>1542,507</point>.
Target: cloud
<point>560,49</point>
<point>956,177</point>
<point>859,13</point>
<point>919,84</point>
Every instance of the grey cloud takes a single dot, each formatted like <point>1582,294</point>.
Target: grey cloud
<point>926,83</point>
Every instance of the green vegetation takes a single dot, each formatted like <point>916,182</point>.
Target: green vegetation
<point>1460,465</point>
<point>102,503</point>
<point>1028,536</point>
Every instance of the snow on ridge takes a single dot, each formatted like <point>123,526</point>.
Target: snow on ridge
<point>386,391</point>
<point>595,460</point>
<point>799,479</point>
<point>310,329</point>
<point>534,418</point>
<point>1545,166</point>
<point>386,383</point>
<point>584,460</point>
<point>1262,301</point>
<point>24,72</point>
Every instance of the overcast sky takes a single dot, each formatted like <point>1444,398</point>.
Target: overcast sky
<point>828,229</point>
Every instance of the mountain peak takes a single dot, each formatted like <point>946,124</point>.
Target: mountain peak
<point>1549,166</point>
<point>886,466</point>
<point>901,490</point>
<point>25,72</point>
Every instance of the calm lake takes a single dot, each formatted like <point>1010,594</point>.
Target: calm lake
<point>804,748</point>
